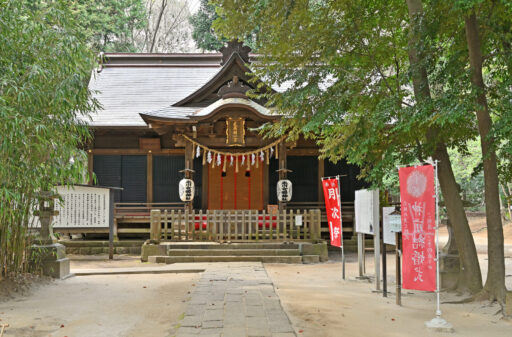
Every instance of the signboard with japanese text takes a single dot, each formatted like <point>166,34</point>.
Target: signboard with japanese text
<point>333,209</point>
<point>82,207</point>
<point>392,223</point>
<point>418,199</point>
<point>366,207</point>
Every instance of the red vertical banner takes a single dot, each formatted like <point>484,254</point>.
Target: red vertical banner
<point>418,199</point>
<point>333,209</point>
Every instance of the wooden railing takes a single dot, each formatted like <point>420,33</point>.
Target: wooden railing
<point>347,213</point>
<point>235,225</point>
<point>138,209</point>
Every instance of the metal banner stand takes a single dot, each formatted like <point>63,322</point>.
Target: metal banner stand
<point>438,323</point>
<point>398,253</point>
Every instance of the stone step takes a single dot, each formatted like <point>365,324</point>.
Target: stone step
<point>306,259</point>
<point>93,247</point>
<point>223,246</point>
<point>233,252</point>
<point>241,258</point>
<point>101,243</point>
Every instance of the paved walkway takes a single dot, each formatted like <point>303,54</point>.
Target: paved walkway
<point>235,300</point>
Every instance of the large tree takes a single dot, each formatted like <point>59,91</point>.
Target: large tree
<point>349,67</point>
<point>45,66</point>
<point>495,285</point>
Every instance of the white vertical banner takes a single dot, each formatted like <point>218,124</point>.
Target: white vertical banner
<point>391,224</point>
<point>367,211</point>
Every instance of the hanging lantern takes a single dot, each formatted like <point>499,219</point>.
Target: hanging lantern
<point>284,190</point>
<point>186,190</point>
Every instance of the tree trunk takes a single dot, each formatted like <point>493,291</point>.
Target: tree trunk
<point>157,27</point>
<point>495,284</point>
<point>470,276</point>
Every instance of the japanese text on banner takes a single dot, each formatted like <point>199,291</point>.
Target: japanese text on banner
<point>417,194</point>
<point>333,209</point>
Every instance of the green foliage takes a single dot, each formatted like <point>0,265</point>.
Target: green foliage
<point>348,66</point>
<point>467,168</point>
<point>347,69</point>
<point>45,67</point>
<point>109,25</point>
<point>204,34</point>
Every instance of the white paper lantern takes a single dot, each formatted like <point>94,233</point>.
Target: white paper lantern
<point>187,190</point>
<point>284,190</point>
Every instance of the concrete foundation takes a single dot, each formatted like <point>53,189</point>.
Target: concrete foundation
<point>54,262</point>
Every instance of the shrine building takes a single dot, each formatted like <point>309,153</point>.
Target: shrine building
<point>166,117</point>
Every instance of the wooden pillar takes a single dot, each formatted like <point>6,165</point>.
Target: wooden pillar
<point>149,177</point>
<point>282,168</point>
<point>205,182</point>
<point>90,168</point>
<point>321,172</point>
<point>266,174</point>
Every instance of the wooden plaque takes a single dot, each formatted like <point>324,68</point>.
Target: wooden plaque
<point>235,131</point>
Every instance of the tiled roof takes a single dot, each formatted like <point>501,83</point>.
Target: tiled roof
<point>124,92</point>
<point>171,112</point>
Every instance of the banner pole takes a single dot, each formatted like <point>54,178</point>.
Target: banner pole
<point>343,260</point>
<point>438,323</point>
<point>341,227</point>
<point>438,311</point>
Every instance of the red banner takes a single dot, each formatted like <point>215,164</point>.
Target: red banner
<point>333,209</point>
<point>417,194</point>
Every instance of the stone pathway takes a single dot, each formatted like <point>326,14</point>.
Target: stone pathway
<point>235,300</point>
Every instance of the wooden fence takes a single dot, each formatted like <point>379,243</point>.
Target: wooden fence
<point>235,225</point>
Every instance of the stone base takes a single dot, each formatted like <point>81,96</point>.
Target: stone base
<point>308,259</point>
<point>56,269</point>
<point>450,269</point>
<point>438,324</point>
<point>53,259</point>
<point>319,249</point>
<point>149,249</point>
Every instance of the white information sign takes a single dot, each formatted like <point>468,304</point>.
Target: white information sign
<point>298,220</point>
<point>391,225</point>
<point>367,211</point>
<point>82,207</point>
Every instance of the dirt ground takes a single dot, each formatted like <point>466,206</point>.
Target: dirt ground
<point>478,227</point>
<point>317,300</point>
<point>114,305</point>
<point>320,303</point>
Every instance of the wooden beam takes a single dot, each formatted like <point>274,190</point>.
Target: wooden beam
<point>220,142</point>
<point>149,177</point>
<point>303,152</point>
<point>137,152</point>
